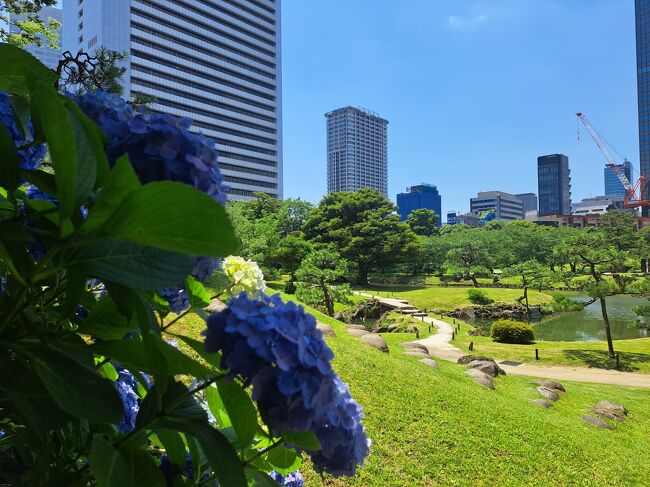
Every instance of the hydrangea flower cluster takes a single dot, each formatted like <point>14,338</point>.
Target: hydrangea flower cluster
<point>127,388</point>
<point>30,158</point>
<point>177,297</point>
<point>276,347</point>
<point>294,479</point>
<point>160,147</point>
<point>244,276</point>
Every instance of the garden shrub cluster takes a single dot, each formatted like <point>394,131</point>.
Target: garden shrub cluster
<point>511,331</point>
<point>102,250</point>
<point>476,296</point>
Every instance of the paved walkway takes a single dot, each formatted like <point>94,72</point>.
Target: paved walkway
<point>439,345</point>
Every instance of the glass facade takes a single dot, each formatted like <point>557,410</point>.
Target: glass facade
<point>48,56</point>
<point>642,10</point>
<point>416,197</point>
<point>613,185</point>
<point>554,185</point>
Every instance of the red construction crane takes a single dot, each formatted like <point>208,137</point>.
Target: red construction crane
<point>633,194</point>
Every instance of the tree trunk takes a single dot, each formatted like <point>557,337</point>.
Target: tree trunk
<point>526,298</point>
<point>473,278</point>
<point>362,273</point>
<point>573,267</point>
<point>328,300</point>
<point>608,331</point>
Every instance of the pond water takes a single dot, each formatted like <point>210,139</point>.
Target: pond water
<point>587,325</point>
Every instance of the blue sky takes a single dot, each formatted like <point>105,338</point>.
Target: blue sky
<point>474,90</point>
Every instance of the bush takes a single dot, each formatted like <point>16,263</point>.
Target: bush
<point>562,303</point>
<point>510,331</point>
<point>476,296</point>
<point>290,287</point>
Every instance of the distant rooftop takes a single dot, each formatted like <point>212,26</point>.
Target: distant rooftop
<point>365,111</point>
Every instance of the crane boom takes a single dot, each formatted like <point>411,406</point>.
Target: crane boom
<point>611,162</point>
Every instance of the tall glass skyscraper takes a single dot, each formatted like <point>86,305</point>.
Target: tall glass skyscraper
<point>642,10</point>
<point>217,62</point>
<point>613,185</point>
<point>357,152</point>
<point>420,196</point>
<point>45,54</point>
<point>554,185</point>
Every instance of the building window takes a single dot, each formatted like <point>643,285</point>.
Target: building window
<point>81,26</point>
<point>81,39</point>
<point>81,13</point>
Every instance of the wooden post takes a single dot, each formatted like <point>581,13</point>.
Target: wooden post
<point>453,335</point>
<point>417,334</point>
<point>454,321</point>
<point>471,346</point>
<point>422,318</point>
<point>429,328</point>
<point>537,354</point>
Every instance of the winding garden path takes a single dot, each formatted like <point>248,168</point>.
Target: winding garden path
<point>439,345</point>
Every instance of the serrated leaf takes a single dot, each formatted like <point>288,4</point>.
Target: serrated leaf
<point>305,440</point>
<point>283,460</point>
<point>241,411</point>
<point>108,465</point>
<point>19,69</point>
<point>199,297</point>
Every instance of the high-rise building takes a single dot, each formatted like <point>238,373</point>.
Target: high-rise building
<point>554,185</point>
<point>642,10</point>
<point>496,205</point>
<point>597,205</point>
<point>529,200</point>
<point>416,197</point>
<point>357,152</point>
<point>217,62</point>
<point>613,185</point>
<point>45,54</point>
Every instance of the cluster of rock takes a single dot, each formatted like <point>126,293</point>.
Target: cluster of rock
<point>368,338</point>
<point>482,369</point>
<point>515,311</point>
<point>605,410</point>
<point>549,390</point>
<point>417,350</point>
<point>397,325</point>
<point>369,309</point>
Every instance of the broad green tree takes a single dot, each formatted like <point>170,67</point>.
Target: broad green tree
<point>423,222</point>
<point>468,253</point>
<point>532,274</point>
<point>363,227</point>
<point>293,214</point>
<point>30,29</point>
<point>316,275</point>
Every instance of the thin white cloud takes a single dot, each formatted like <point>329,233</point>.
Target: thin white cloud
<point>464,23</point>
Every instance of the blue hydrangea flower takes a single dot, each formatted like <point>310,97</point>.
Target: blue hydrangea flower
<point>177,297</point>
<point>277,348</point>
<point>30,157</point>
<point>160,147</point>
<point>127,388</point>
<point>294,479</point>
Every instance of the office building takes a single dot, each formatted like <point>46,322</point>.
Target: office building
<point>613,185</point>
<point>554,185</point>
<point>357,152</point>
<point>45,54</point>
<point>642,11</point>
<point>469,219</point>
<point>496,205</point>
<point>529,200</point>
<point>217,62</point>
<point>416,197</point>
<point>597,205</point>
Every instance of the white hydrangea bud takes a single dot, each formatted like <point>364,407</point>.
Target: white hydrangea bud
<point>244,275</point>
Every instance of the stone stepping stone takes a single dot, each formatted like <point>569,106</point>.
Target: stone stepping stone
<point>549,384</point>
<point>549,394</point>
<point>416,346</point>
<point>416,353</point>
<point>430,363</point>
<point>358,333</point>
<point>375,341</point>
<point>597,422</point>
<point>543,403</point>
<point>326,330</point>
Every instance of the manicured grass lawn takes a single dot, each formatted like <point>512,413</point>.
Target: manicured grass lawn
<point>436,427</point>
<point>449,298</point>
<point>634,354</point>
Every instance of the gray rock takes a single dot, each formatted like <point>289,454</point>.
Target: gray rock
<point>612,406</point>
<point>415,346</point>
<point>375,341</point>
<point>548,394</point>
<point>358,333</point>
<point>215,306</point>
<point>430,363</point>
<point>475,373</point>
<point>597,422</point>
<point>465,359</point>
<point>488,366</point>
<point>416,353</point>
<point>543,403</point>
<point>485,382</point>
<point>326,330</point>
<point>549,384</point>
<point>356,327</point>
<point>608,414</point>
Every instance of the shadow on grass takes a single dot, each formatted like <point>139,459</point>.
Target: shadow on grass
<point>600,359</point>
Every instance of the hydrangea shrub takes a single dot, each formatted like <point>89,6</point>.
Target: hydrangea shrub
<point>120,228</point>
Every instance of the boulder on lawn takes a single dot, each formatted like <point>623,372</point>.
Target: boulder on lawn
<point>358,333</point>
<point>415,346</point>
<point>215,306</point>
<point>476,373</point>
<point>597,422</point>
<point>490,367</point>
<point>375,341</point>
<point>416,353</point>
<point>356,327</point>
<point>485,381</point>
<point>326,330</point>
<point>612,406</point>
<point>465,359</point>
<point>543,403</point>
<point>549,384</point>
<point>549,394</point>
<point>429,363</point>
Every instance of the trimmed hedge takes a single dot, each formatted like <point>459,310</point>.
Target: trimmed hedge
<point>477,296</point>
<point>511,331</point>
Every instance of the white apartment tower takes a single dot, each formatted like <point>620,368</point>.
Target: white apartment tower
<point>217,62</point>
<point>357,153</point>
